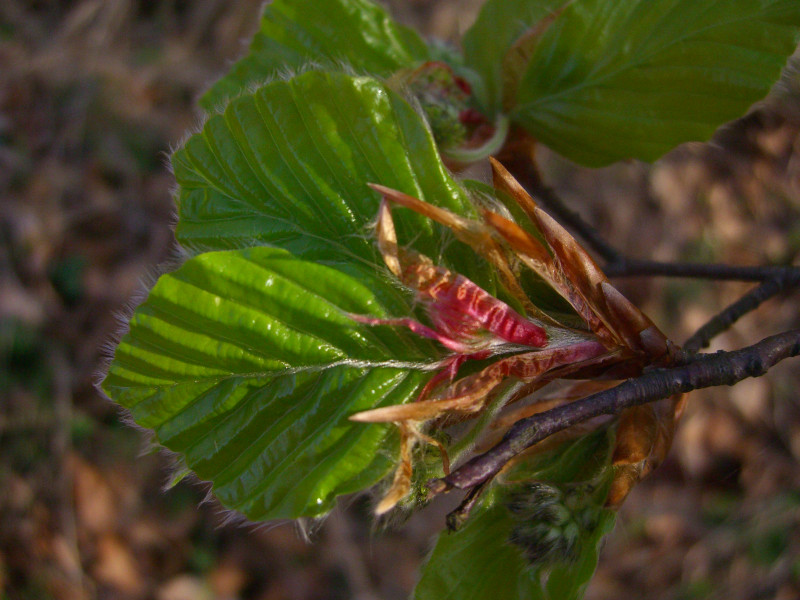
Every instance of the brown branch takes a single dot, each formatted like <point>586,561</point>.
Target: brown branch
<point>617,264</point>
<point>747,303</point>
<point>700,371</point>
<point>632,267</point>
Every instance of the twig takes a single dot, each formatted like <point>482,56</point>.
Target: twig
<point>632,267</point>
<point>749,302</point>
<point>619,265</point>
<point>701,371</point>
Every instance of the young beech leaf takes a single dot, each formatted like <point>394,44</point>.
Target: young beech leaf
<point>635,78</point>
<point>288,165</point>
<point>357,35</point>
<point>246,365</point>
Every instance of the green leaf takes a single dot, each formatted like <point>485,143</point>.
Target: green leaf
<point>480,561</point>
<point>569,581</point>
<point>329,33</point>
<point>500,23</point>
<point>635,78</point>
<point>246,364</point>
<point>289,166</point>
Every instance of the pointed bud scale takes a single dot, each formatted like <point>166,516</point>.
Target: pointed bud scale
<point>474,234</point>
<point>505,182</point>
<point>387,239</point>
<point>644,436</point>
<point>632,325</point>
<point>475,325</point>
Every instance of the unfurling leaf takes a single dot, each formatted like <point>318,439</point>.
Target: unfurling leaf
<point>246,364</point>
<point>475,326</point>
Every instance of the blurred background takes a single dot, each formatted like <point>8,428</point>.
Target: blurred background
<point>94,93</point>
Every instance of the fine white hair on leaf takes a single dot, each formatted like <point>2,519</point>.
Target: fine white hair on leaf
<point>286,73</point>
<point>488,202</point>
<point>122,316</point>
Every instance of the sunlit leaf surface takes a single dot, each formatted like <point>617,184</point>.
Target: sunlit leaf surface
<point>293,34</point>
<point>635,78</point>
<point>289,166</point>
<point>246,364</point>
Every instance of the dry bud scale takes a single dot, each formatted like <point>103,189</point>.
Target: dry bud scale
<point>617,340</point>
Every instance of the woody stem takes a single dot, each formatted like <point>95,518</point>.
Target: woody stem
<point>747,303</point>
<point>696,372</point>
<point>619,265</point>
